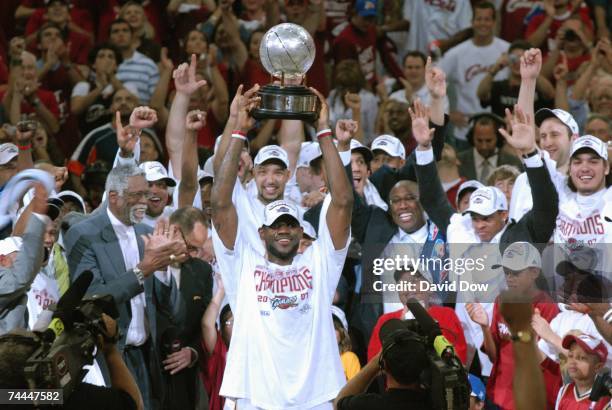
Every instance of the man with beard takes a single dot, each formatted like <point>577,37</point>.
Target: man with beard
<point>122,253</point>
<point>283,335</point>
<point>159,181</point>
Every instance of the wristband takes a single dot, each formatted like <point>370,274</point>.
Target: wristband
<point>324,133</point>
<point>239,134</point>
<point>24,147</point>
<point>608,316</point>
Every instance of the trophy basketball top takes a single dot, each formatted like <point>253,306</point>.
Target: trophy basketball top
<point>287,51</point>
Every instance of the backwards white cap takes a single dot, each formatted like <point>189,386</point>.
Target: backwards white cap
<point>486,201</point>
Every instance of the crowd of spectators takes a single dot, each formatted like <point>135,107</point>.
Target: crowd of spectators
<point>244,255</point>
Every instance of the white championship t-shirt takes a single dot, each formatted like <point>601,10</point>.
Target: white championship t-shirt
<point>466,65</point>
<point>283,353</point>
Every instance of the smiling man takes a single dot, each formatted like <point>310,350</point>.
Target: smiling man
<point>283,334</point>
<point>587,193</point>
<point>159,181</point>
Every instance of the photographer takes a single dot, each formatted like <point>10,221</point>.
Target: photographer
<point>17,346</point>
<point>403,358</point>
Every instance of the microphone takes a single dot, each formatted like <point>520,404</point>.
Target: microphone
<point>63,317</point>
<point>431,328</point>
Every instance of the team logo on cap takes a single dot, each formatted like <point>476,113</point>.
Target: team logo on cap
<point>382,143</point>
<point>586,143</point>
<point>275,153</point>
<point>283,209</point>
<point>478,200</point>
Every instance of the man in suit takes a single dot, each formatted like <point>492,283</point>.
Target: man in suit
<point>129,263</point>
<point>20,260</point>
<point>181,347</point>
<point>478,162</point>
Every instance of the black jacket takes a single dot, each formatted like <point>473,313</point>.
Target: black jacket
<point>535,227</point>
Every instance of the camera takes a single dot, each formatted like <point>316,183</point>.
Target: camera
<point>58,362</point>
<point>69,343</point>
<point>444,377</point>
<point>602,386</point>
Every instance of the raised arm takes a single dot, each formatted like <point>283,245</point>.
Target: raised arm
<point>209,319</point>
<point>186,84</point>
<point>224,216</point>
<point>188,188</point>
<point>541,219</point>
<point>339,212</point>
<point>431,194</point>
<point>435,79</point>
<point>531,64</point>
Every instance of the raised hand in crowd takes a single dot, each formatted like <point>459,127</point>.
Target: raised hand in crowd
<point>421,132</point>
<point>185,80</point>
<point>522,138</point>
<point>143,117</point>
<point>345,132</point>
<point>531,64</point>
<point>126,137</point>
<point>163,247</point>
<point>195,120</point>
<point>477,314</point>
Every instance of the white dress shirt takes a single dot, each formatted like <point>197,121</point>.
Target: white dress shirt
<point>418,237</point>
<point>138,331</point>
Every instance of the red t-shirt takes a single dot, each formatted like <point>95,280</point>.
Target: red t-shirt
<point>80,45</point>
<point>58,82</point>
<point>357,45</point>
<point>79,14</point>
<point>211,372</point>
<point>210,132</point>
<point>109,11</point>
<point>513,13</point>
<point>47,98</point>
<point>569,400</point>
<point>499,387</point>
<point>537,20</point>
<point>254,73</point>
<point>449,324</point>
<point>4,74</point>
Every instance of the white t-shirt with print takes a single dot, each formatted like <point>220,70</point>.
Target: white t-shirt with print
<point>283,353</point>
<point>465,66</point>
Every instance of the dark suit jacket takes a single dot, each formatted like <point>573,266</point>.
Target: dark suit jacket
<point>535,227</point>
<point>95,247</point>
<point>196,291</point>
<point>467,168</point>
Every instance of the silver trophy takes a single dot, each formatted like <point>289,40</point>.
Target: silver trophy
<point>287,51</point>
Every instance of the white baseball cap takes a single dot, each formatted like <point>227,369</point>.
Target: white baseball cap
<point>271,152</point>
<point>391,145</point>
<point>471,184</point>
<point>10,245</point>
<point>308,152</point>
<point>563,116</point>
<point>309,230</point>
<point>519,256</point>
<point>592,143</point>
<point>360,148</point>
<point>276,209</point>
<point>76,198</point>
<point>155,171</point>
<point>8,151</point>
<point>486,201</point>
<point>203,175</point>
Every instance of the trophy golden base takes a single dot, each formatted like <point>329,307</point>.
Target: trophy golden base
<point>295,102</point>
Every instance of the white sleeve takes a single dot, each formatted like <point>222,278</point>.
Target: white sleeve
<point>465,14</point>
<point>424,157</point>
<point>448,64</point>
<point>229,262</point>
<point>81,89</point>
<point>331,260</point>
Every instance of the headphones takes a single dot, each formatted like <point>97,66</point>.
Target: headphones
<point>497,120</point>
<point>398,337</point>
